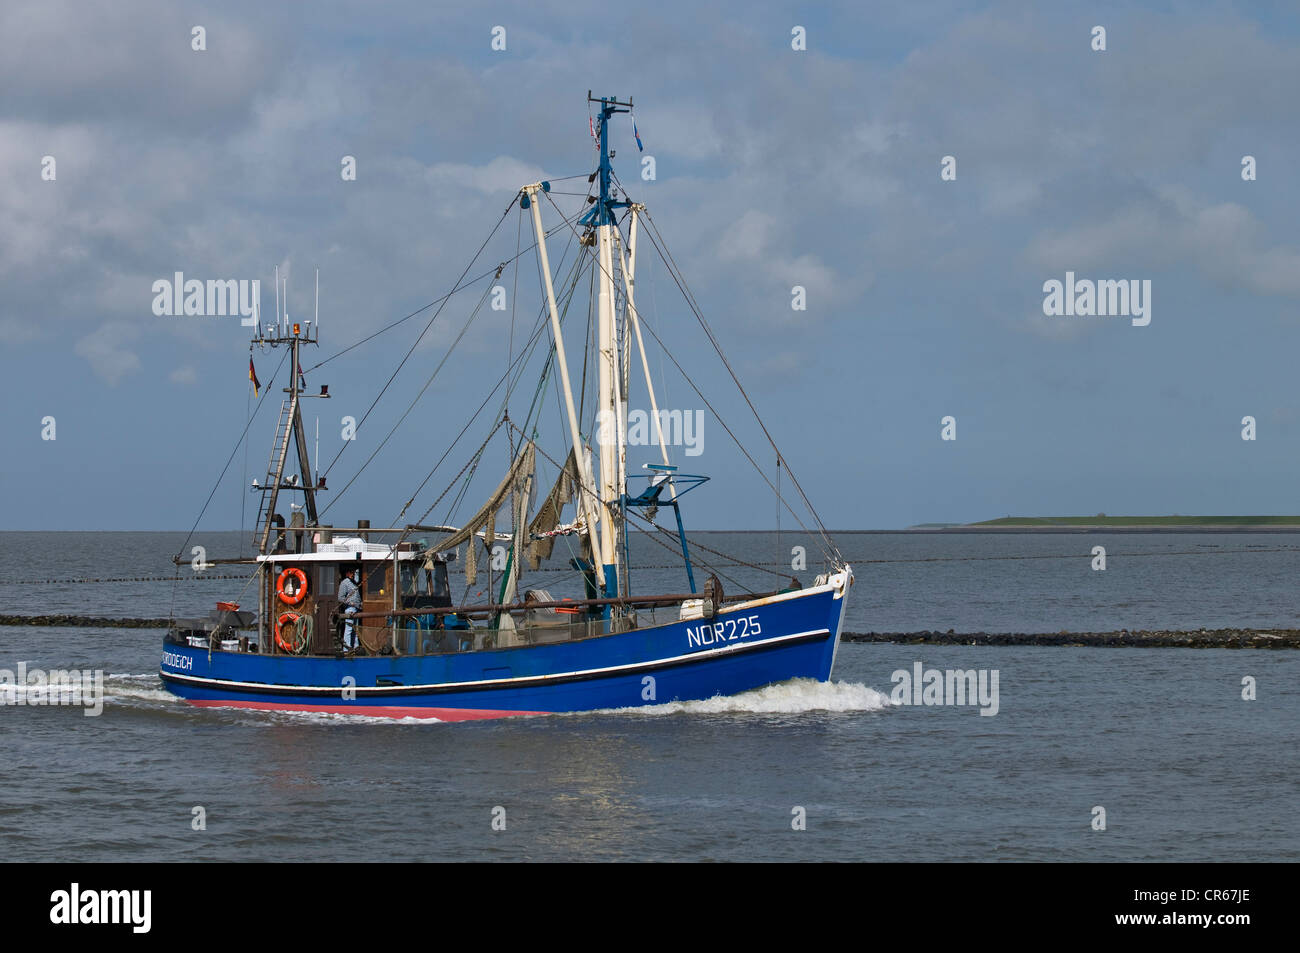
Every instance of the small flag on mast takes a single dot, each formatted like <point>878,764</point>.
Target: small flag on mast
<point>252,376</point>
<point>592,124</point>
<point>637,136</point>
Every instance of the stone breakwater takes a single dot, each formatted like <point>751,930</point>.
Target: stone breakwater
<point>1143,638</point>
<point>82,622</point>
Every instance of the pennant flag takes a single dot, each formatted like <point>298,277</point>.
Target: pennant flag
<point>637,136</point>
<point>252,376</point>
<point>592,123</point>
<point>302,381</point>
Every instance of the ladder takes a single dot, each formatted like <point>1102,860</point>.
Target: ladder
<point>270,488</point>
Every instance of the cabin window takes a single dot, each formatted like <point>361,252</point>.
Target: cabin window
<point>439,586</point>
<point>327,586</point>
<point>411,580</point>
<point>375,580</point>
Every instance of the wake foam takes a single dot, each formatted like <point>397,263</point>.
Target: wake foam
<point>138,688</point>
<point>117,689</point>
<point>797,696</point>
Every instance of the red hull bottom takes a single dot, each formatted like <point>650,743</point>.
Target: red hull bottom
<point>373,711</point>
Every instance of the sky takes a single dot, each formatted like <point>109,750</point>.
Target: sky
<point>820,168</point>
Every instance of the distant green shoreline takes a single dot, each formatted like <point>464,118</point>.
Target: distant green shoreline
<point>1103,520</point>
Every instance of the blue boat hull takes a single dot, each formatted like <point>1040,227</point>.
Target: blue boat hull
<point>793,635</point>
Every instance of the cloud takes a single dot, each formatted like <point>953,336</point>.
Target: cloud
<point>765,255</point>
<point>183,375</point>
<point>63,61</point>
<point>1172,227</point>
<point>105,352</point>
<point>499,177</point>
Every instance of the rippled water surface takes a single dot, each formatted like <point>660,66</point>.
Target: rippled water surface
<point>1161,738</point>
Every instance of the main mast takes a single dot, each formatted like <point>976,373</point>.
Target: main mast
<point>602,501</point>
<point>609,408</point>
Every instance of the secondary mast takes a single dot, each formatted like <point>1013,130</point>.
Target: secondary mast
<point>587,501</point>
<point>289,430</point>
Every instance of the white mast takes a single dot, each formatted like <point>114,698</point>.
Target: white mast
<point>608,411</point>
<point>587,501</point>
<point>623,344</point>
<point>601,218</point>
<point>629,276</point>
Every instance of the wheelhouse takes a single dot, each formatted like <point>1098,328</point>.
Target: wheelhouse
<point>299,609</point>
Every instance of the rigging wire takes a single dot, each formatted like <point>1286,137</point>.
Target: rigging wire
<point>446,453</point>
<point>450,350</point>
<point>243,496</point>
<point>415,344</point>
<point>514,293</point>
<point>473,460</point>
<point>734,561</point>
<point>458,288</point>
<point>778,505</point>
<point>521,360</point>
<point>674,271</point>
<point>221,476</point>
<point>441,363</point>
<point>829,547</point>
<point>703,565</point>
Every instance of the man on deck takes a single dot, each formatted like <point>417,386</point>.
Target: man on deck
<point>350,599</point>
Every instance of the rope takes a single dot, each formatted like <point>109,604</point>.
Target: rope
<point>303,628</point>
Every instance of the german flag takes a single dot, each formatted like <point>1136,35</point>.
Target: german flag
<point>252,376</point>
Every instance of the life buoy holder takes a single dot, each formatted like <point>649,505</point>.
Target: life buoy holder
<point>293,593</point>
<point>293,619</point>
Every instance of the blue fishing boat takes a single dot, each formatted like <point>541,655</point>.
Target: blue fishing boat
<point>394,640</point>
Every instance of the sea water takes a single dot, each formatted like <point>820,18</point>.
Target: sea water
<point>1163,741</point>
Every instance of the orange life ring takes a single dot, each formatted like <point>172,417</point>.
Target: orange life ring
<point>292,618</point>
<point>296,593</point>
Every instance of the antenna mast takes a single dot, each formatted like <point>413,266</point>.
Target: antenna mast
<point>291,429</point>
